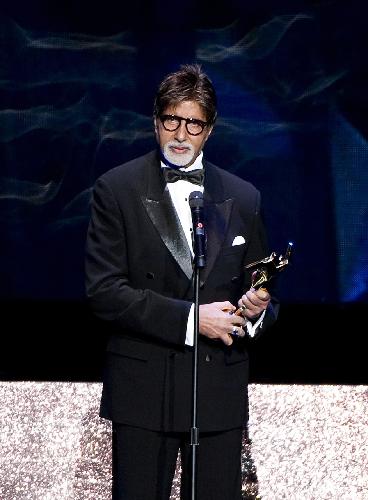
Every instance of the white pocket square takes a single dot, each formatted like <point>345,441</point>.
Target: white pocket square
<point>238,240</point>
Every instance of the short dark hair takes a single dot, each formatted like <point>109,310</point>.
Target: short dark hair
<point>189,83</point>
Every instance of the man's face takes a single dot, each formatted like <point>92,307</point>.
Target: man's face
<point>179,147</point>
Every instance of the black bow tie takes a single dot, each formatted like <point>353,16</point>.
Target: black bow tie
<point>193,176</point>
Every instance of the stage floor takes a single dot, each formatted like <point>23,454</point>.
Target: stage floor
<point>307,442</point>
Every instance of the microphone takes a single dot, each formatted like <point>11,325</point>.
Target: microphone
<point>196,206</point>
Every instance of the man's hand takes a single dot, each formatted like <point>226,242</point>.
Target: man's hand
<point>254,302</point>
<point>217,322</point>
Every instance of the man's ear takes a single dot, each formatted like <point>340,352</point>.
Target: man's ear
<point>209,133</point>
<point>155,125</point>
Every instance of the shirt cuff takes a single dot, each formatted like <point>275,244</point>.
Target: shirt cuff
<point>189,338</point>
<point>252,329</point>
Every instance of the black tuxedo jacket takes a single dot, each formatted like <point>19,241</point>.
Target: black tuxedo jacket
<point>139,279</point>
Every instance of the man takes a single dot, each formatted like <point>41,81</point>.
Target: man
<point>139,279</point>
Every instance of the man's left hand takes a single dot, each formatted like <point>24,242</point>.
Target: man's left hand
<point>254,302</point>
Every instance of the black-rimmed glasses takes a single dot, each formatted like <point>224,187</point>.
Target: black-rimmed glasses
<point>173,122</point>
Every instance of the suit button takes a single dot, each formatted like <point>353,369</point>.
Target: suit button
<point>201,285</point>
<point>234,279</point>
<point>150,275</point>
<point>208,358</point>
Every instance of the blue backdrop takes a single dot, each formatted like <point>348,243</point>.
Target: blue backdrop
<point>76,90</point>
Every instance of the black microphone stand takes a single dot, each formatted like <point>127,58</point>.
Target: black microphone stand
<point>194,431</point>
<point>196,204</point>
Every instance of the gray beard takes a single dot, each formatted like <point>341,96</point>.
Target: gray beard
<point>179,160</point>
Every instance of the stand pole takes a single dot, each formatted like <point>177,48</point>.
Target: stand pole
<point>194,431</point>
<point>199,244</point>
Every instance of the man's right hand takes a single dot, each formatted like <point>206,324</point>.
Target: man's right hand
<point>217,322</point>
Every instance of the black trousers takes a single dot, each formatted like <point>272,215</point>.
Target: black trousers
<point>144,464</point>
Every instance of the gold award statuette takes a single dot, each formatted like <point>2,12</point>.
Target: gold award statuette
<point>266,269</point>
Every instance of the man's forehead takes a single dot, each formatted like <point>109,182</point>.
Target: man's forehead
<point>186,109</point>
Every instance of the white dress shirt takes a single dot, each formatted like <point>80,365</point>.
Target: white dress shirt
<point>179,192</point>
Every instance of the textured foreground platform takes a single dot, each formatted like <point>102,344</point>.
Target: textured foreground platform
<point>307,442</point>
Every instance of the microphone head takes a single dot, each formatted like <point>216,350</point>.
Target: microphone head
<point>196,199</point>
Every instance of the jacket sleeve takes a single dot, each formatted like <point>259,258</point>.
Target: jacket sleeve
<point>259,249</point>
<point>138,312</point>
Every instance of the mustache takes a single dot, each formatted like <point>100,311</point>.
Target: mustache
<point>176,144</point>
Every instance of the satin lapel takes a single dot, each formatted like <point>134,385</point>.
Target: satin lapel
<point>217,223</point>
<point>218,210</point>
<point>163,215</point>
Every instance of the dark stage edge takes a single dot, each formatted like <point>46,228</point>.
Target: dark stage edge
<point>59,340</point>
